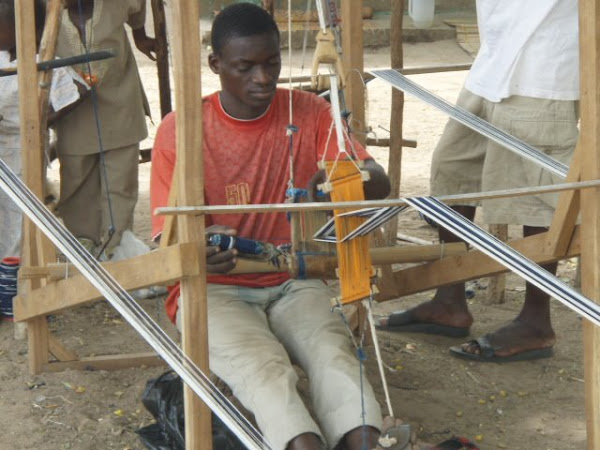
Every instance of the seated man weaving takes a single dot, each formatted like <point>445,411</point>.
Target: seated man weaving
<point>260,323</point>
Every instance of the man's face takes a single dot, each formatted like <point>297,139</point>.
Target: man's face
<point>248,68</point>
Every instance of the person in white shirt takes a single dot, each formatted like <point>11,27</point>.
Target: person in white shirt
<point>525,81</point>
<point>66,91</point>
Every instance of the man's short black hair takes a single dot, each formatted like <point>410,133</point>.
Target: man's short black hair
<point>7,12</point>
<point>240,20</point>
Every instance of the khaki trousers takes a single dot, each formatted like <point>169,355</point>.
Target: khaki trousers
<point>254,337</point>
<point>91,192</point>
<point>464,161</point>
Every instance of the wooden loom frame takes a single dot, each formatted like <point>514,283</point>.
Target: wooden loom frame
<point>563,240</point>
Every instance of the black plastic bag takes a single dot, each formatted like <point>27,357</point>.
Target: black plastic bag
<point>163,398</point>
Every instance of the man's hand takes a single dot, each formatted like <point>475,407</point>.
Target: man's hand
<point>217,260</point>
<point>378,186</point>
<point>314,194</point>
<point>144,44</point>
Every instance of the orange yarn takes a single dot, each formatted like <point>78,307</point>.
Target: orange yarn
<point>354,259</point>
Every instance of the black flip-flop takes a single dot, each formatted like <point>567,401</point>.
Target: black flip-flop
<point>405,321</point>
<point>488,352</point>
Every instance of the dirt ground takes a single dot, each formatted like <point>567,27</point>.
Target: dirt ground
<point>525,405</point>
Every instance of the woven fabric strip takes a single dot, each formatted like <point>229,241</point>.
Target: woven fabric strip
<point>122,301</point>
<point>506,255</point>
<point>399,81</point>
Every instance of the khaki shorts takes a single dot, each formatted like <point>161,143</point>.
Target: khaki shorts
<point>464,161</point>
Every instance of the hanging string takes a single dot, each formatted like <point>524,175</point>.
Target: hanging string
<point>368,303</point>
<point>333,24</point>
<point>321,14</point>
<point>362,127</point>
<point>292,193</point>
<point>337,117</point>
<point>362,358</point>
<point>290,59</point>
<point>305,38</point>
<point>341,133</point>
<point>95,109</point>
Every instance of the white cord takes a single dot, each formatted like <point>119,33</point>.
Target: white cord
<point>321,13</point>
<point>337,113</point>
<point>290,59</point>
<point>367,303</point>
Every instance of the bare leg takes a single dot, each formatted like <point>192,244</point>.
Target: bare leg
<point>449,305</point>
<point>306,441</point>
<point>532,328</point>
<point>355,439</point>
<point>368,437</point>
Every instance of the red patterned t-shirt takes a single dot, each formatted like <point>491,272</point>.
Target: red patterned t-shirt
<point>248,162</point>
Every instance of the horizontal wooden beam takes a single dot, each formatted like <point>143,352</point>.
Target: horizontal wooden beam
<point>385,142</point>
<point>416,253</point>
<point>162,266</point>
<point>416,70</point>
<point>106,362</point>
<point>476,264</point>
<point>324,266</point>
<point>325,206</point>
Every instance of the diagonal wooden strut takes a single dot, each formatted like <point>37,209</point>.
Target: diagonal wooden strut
<point>567,210</point>
<point>476,264</point>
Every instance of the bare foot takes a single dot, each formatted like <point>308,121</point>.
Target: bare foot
<point>437,312</point>
<point>513,338</point>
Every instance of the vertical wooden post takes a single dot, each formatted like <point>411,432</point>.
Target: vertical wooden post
<point>397,115</point>
<point>190,189</point>
<point>31,151</point>
<point>589,43</point>
<point>352,55</point>
<point>353,60</point>
<point>44,249</point>
<point>162,56</point>
<point>47,51</point>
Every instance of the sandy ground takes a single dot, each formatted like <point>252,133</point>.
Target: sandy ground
<point>526,405</point>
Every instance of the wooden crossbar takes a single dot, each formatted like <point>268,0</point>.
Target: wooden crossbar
<point>163,266</point>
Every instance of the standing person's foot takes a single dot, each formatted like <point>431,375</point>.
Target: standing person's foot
<point>431,317</point>
<point>515,341</point>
